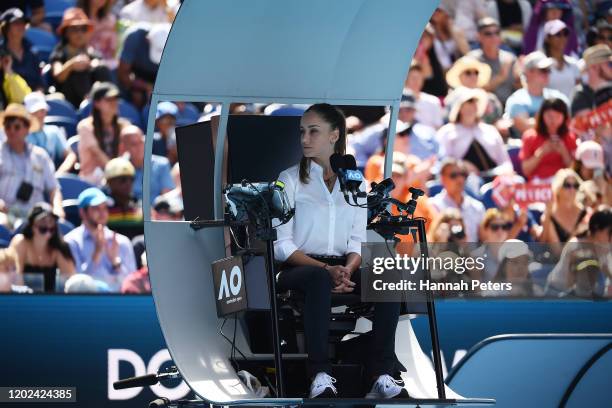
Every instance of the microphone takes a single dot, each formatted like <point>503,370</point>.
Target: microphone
<point>338,165</point>
<point>354,178</point>
<point>159,403</point>
<point>383,188</point>
<point>142,381</point>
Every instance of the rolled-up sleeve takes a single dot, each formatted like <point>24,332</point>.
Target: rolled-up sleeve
<point>284,245</point>
<point>358,229</point>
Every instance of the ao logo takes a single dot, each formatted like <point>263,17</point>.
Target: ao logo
<point>117,355</point>
<point>233,287</point>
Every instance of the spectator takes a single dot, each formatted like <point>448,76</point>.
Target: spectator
<point>448,227</point>
<point>49,137</point>
<point>523,104</point>
<point>450,42</point>
<point>514,16</point>
<point>564,217</point>
<point>453,175</point>
<point>26,171</point>
<point>592,96</point>
<point>131,146</point>
<point>25,61</point>
<point>514,260</point>
<point>564,74</point>
<point>548,10</point>
<point>467,137</point>
<point>425,56</point>
<point>466,16</point>
<point>99,132</point>
<point>551,145</point>
<point>139,61</point>
<point>104,37</point>
<point>149,11</point>
<point>41,249</point>
<point>99,252</point>
<point>8,270</point>
<point>428,109</point>
<point>164,139</point>
<point>137,282</point>
<point>34,8</point>
<point>81,283</point>
<point>573,274</point>
<point>524,226</point>
<point>589,165</point>
<point>494,230</point>
<point>75,65</point>
<point>468,72</point>
<point>13,87</point>
<point>590,195</point>
<point>502,63</point>
<point>125,214</point>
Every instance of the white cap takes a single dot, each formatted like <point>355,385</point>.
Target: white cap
<point>35,101</point>
<point>537,60</point>
<point>512,248</point>
<point>158,34</point>
<point>552,27</point>
<point>591,155</point>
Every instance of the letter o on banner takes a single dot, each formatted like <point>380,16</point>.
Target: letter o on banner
<point>235,274</point>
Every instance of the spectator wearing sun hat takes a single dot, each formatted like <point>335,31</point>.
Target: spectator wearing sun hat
<point>26,171</point>
<point>468,72</point>
<point>75,64</point>
<point>147,11</point>
<point>97,251</point>
<point>49,137</point>
<point>125,214</point>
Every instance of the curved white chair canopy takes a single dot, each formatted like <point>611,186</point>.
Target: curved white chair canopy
<point>341,52</point>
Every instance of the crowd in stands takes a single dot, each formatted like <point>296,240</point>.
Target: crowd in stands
<point>504,121</point>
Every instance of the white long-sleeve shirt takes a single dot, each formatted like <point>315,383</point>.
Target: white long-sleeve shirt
<point>455,140</point>
<point>323,224</point>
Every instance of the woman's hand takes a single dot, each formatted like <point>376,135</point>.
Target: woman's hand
<point>341,276</point>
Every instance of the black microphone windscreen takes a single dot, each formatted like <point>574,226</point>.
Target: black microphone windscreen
<point>350,162</point>
<point>337,162</point>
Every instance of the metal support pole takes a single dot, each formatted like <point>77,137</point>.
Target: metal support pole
<point>431,314</point>
<point>278,363</point>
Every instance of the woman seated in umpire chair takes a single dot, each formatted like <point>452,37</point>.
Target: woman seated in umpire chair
<point>321,253</point>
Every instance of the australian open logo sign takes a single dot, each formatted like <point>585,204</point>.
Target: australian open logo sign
<point>229,285</point>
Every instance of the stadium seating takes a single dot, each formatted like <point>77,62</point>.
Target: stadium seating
<point>42,42</point>
<point>486,194</point>
<point>54,11</point>
<point>68,124</point>
<point>72,186</point>
<point>5,236</point>
<point>61,107</point>
<point>73,144</point>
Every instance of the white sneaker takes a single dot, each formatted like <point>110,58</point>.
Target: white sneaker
<point>387,387</point>
<point>323,386</point>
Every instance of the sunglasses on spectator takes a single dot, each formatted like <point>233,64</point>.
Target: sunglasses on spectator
<point>544,71</point>
<point>78,29</point>
<point>471,72</point>
<point>14,123</point>
<point>569,186</point>
<point>455,174</point>
<point>46,230</point>
<point>123,179</point>
<point>497,227</point>
<point>490,33</point>
<point>562,33</point>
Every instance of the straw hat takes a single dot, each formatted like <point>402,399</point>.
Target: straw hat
<point>453,76</point>
<point>17,110</point>
<point>74,16</point>
<point>467,94</point>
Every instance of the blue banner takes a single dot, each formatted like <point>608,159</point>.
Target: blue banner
<point>88,342</point>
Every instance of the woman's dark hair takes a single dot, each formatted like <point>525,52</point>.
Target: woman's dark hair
<point>56,241</point>
<point>102,12</point>
<point>600,220</point>
<point>558,105</point>
<point>99,131</point>
<point>336,120</point>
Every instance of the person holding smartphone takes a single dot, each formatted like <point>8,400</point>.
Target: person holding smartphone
<point>321,251</point>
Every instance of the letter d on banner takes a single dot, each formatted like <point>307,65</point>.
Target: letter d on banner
<point>114,357</point>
